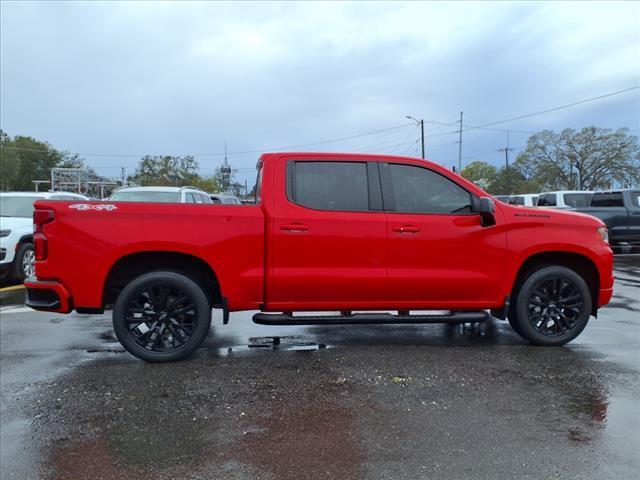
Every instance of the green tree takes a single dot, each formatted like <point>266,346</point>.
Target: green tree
<point>480,173</point>
<point>510,181</point>
<point>589,159</point>
<point>208,184</point>
<point>167,170</point>
<point>24,159</point>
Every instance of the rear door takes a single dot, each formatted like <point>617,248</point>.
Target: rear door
<point>327,246</point>
<point>439,255</point>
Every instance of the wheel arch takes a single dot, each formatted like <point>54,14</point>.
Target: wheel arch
<point>27,238</point>
<point>130,266</point>
<point>581,264</point>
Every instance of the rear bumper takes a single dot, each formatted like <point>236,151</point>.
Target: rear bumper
<point>47,296</point>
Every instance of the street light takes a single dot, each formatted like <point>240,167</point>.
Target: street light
<point>421,123</point>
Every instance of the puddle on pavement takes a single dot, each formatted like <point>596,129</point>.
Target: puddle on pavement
<point>282,343</point>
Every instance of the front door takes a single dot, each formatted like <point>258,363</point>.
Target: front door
<point>327,240</point>
<point>439,255</point>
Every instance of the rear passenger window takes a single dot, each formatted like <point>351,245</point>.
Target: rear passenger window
<point>577,200</point>
<point>613,199</point>
<point>419,190</point>
<point>329,185</point>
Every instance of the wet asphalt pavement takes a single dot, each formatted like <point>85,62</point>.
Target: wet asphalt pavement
<point>379,402</point>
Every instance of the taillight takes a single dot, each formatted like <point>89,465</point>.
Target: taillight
<point>41,218</point>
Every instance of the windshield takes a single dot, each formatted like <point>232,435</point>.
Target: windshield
<point>17,206</point>
<point>146,196</point>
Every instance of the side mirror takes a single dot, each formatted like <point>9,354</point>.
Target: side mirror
<point>486,208</point>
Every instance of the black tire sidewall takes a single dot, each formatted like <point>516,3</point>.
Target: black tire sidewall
<point>18,270</point>
<point>527,330</point>
<point>168,278</point>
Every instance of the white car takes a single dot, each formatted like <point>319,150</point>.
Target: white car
<point>224,199</point>
<point>565,199</point>
<point>16,230</point>
<point>526,199</point>
<point>160,195</point>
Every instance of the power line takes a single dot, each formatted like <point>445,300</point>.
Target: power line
<point>560,107</point>
<point>339,139</point>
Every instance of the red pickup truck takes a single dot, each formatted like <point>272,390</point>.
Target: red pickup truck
<point>343,233</point>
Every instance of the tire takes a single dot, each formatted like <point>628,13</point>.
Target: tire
<point>553,306</point>
<point>23,262</point>
<point>514,324</point>
<point>161,316</point>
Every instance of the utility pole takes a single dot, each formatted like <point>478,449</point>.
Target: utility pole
<point>460,146</point>
<point>124,174</point>
<point>506,151</point>
<point>421,123</point>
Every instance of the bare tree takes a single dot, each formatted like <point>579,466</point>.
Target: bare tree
<point>592,158</point>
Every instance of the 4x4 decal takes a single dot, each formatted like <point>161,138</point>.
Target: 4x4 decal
<point>87,206</point>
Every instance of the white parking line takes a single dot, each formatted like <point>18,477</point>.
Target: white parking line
<point>21,309</point>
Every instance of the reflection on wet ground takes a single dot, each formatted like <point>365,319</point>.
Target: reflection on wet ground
<point>425,401</point>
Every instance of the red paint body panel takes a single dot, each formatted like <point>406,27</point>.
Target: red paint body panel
<point>84,245</point>
<point>280,256</point>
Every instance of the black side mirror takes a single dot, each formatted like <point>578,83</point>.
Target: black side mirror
<point>486,208</point>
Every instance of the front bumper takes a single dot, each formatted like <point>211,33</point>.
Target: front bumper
<point>48,296</point>
<point>604,296</point>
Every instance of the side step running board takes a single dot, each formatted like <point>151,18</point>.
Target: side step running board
<point>288,318</point>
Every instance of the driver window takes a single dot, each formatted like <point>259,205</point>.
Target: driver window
<point>419,190</point>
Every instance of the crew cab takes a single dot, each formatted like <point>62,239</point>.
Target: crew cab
<point>359,235</point>
<point>620,211</point>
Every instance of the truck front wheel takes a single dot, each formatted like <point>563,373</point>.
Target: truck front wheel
<point>553,306</point>
<point>161,316</point>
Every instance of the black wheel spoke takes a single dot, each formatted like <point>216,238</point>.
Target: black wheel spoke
<point>169,314</point>
<point>554,306</point>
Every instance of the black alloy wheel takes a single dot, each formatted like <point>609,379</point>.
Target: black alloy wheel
<point>553,306</point>
<point>161,316</point>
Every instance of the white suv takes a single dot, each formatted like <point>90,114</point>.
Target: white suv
<point>565,199</point>
<point>16,230</point>
<point>160,195</point>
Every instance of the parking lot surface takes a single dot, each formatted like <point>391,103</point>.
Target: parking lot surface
<point>377,402</point>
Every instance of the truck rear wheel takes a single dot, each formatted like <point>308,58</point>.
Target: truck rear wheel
<point>161,316</point>
<point>553,306</point>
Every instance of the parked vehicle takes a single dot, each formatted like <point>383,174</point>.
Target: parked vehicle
<point>620,211</point>
<point>526,199</point>
<point>328,232</point>
<point>224,199</point>
<point>565,199</point>
<point>16,230</point>
<point>502,198</point>
<point>160,195</point>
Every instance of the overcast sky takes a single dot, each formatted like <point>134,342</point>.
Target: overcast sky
<point>124,79</point>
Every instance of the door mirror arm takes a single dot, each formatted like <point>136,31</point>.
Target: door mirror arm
<point>486,209</point>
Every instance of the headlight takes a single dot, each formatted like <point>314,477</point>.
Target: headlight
<point>5,233</point>
<point>604,233</point>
